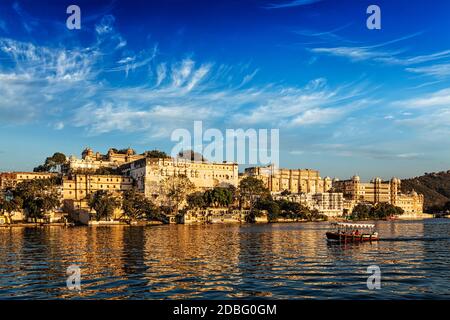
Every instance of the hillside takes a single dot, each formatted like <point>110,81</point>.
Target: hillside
<point>434,186</point>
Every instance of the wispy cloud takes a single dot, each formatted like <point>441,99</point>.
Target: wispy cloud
<point>378,152</point>
<point>289,4</point>
<point>440,98</point>
<point>382,53</point>
<point>429,114</point>
<point>28,22</point>
<point>436,70</point>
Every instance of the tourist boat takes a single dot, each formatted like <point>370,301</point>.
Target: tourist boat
<point>352,232</point>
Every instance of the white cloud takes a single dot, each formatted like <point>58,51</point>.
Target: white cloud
<point>436,99</point>
<point>437,70</point>
<point>318,116</point>
<point>289,4</point>
<point>71,86</point>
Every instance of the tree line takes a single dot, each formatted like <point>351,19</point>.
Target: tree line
<point>374,212</point>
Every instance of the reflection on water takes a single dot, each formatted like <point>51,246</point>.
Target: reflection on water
<point>225,262</point>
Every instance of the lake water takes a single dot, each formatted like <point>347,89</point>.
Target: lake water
<point>275,261</point>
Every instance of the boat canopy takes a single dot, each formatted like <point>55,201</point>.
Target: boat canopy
<point>353,225</point>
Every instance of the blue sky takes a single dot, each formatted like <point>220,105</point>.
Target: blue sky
<point>346,99</point>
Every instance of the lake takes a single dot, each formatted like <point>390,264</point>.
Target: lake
<point>263,261</point>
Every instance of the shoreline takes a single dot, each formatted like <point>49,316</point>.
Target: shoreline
<point>158,223</point>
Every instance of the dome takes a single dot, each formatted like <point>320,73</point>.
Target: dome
<point>356,178</point>
<point>327,178</point>
<point>395,180</point>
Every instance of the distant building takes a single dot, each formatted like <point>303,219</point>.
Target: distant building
<point>11,179</point>
<point>292,180</point>
<point>378,191</point>
<point>76,188</point>
<point>91,161</point>
<point>79,186</point>
<point>148,173</point>
<point>328,203</point>
<point>411,203</point>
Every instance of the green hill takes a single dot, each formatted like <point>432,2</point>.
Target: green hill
<point>434,186</point>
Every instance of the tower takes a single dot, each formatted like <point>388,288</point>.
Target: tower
<point>395,187</point>
<point>356,181</point>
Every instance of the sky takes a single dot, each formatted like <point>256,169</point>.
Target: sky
<point>347,100</point>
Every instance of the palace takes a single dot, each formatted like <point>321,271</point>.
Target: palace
<point>305,186</point>
<point>91,161</point>
<point>292,180</point>
<point>149,172</point>
<point>328,203</point>
<point>11,179</point>
<point>77,187</point>
<point>378,191</point>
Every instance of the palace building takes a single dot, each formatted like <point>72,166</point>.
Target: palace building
<point>149,172</point>
<point>79,186</point>
<point>328,203</point>
<point>11,179</point>
<point>91,161</point>
<point>378,191</point>
<point>292,180</point>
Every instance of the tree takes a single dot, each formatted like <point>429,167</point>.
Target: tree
<point>218,197</point>
<point>137,207</point>
<point>360,212</point>
<point>196,200</point>
<point>10,203</point>
<point>250,190</point>
<point>272,208</point>
<point>104,203</point>
<point>38,197</point>
<point>156,154</point>
<point>293,210</point>
<point>384,210</point>
<point>174,190</point>
<point>52,163</point>
<point>378,211</point>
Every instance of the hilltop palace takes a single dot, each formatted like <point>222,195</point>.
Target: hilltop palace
<point>130,170</point>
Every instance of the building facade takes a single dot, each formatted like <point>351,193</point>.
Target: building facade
<point>91,161</point>
<point>148,173</point>
<point>378,191</point>
<point>11,179</point>
<point>292,180</point>
<point>328,203</point>
<point>78,186</point>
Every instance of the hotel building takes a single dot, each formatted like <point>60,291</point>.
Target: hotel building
<point>91,161</point>
<point>328,203</point>
<point>11,179</point>
<point>292,180</point>
<point>148,173</point>
<point>378,191</point>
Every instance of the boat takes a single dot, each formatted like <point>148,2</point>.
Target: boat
<point>352,232</point>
